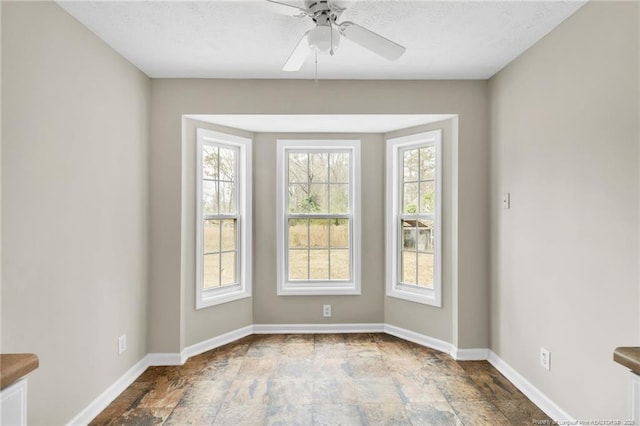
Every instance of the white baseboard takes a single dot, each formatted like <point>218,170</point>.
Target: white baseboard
<point>105,398</point>
<point>216,342</point>
<point>317,328</point>
<point>159,359</point>
<point>470,354</point>
<point>530,391</point>
<point>421,339</point>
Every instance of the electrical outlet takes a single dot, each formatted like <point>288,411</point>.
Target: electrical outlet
<point>506,201</point>
<point>545,359</point>
<point>326,311</point>
<point>122,344</point>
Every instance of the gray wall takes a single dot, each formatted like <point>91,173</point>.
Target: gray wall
<point>565,256</point>
<point>269,308</point>
<point>74,208</point>
<point>171,98</point>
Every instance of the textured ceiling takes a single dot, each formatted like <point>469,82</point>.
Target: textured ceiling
<point>250,39</point>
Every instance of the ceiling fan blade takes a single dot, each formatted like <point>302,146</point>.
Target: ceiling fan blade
<point>298,56</point>
<point>372,41</point>
<point>286,8</point>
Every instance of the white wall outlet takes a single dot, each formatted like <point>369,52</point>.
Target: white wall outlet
<point>545,359</point>
<point>326,311</point>
<point>122,344</point>
<point>506,200</point>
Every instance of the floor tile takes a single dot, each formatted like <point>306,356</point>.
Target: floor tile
<point>384,414</point>
<point>235,415</point>
<point>257,368</point>
<point>281,392</point>
<point>456,388</point>
<point>436,413</point>
<point>332,368</point>
<point>336,414</point>
<point>366,368</point>
<point>247,392</point>
<point>206,393</point>
<point>334,391</point>
<point>144,416</point>
<point>413,390</point>
<point>497,387</point>
<point>382,390</point>
<point>288,415</point>
<point>193,415</point>
<point>521,412</point>
<point>479,413</point>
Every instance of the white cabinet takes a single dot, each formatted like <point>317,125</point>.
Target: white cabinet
<point>634,396</point>
<point>13,404</point>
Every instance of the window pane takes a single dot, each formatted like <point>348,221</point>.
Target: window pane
<point>319,163</point>
<point>339,202</point>
<point>317,201</point>
<point>425,270</point>
<point>425,236</point>
<point>227,164</point>
<point>339,264</point>
<point>229,234</point>
<point>298,233</point>
<point>209,197</point>
<point>427,197</point>
<point>209,162</point>
<point>428,163</point>
<point>298,198</point>
<point>227,197</point>
<point>211,271</point>
<point>211,236</point>
<point>298,264</point>
<point>409,267</point>
<point>319,264</point>
<point>339,167</point>
<point>410,163</point>
<point>228,264</point>
<point>319,232</point>
<point>298,168</point>
<point>410,198</point>
<point>409,234</point>
<point>339,233</point>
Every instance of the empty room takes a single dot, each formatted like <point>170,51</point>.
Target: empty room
<point>320,212</point>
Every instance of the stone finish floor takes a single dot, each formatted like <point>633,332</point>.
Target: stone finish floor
<point>323,379</point>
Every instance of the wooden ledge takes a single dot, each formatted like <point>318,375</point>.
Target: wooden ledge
<point>629,357</point>
<point>14,366</point>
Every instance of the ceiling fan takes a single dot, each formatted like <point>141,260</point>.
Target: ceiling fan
<point>324,38</point>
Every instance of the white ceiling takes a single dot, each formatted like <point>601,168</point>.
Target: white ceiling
<point>248,39</point>
<point>320,123</point>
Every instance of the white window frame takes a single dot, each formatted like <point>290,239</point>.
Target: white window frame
<point>243,147</point>
<point>395,288</point>
<point>285,287</point>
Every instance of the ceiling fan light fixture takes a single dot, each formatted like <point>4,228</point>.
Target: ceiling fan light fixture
<point>324,39</point>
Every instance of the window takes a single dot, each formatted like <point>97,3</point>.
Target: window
<point>223,218</point>
<point>414,205</point>
<point>318,208</point>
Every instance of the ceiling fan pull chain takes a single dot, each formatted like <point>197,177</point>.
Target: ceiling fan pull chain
<point>316,75</point>
<point>331,35</point>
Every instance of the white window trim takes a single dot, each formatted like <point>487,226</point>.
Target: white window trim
<point>216,296</point>
<point>394,172</point>
<point>285,287</point>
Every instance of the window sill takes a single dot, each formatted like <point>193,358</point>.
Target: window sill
<point>426,297</point>
<point>218,298</point>
<point>299,290</point>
